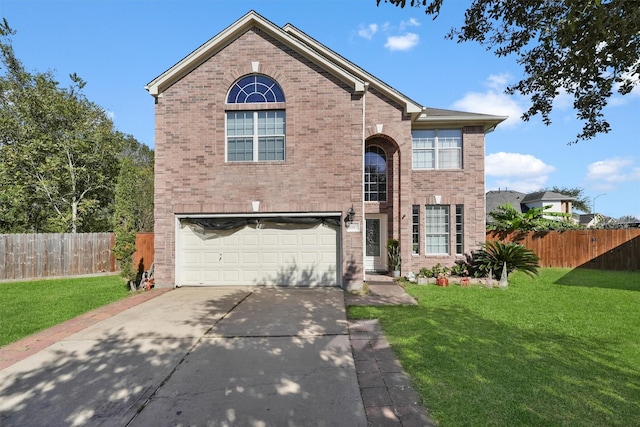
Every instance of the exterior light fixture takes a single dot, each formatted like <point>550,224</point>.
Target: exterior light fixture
<point>351,213</point>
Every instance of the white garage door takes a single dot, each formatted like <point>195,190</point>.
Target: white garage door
<point>283,255</point>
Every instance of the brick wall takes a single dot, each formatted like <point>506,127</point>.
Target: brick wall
<point>322,171</point>
<point>323,167</point>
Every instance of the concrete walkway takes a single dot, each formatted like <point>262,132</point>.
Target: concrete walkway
<point>212,356</point>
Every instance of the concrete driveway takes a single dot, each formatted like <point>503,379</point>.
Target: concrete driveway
<point>197,356</point>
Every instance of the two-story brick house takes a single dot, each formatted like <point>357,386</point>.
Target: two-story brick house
<point>280,162</point>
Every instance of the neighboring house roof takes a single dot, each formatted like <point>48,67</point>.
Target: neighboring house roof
<point>591,220</point>
<point>546,196</point>
<point>501,197</point>
<point>357,78</point>
<point>520,201</point>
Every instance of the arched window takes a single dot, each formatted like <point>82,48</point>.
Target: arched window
<point>375,174</point>
<point>256,134</point>
<point>255,88</point>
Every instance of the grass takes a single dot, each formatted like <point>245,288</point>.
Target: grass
<point>31,306</point>
<point>561,349</point>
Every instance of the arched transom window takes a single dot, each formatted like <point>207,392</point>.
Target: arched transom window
<point>375,174</point>
<point>256,134</point>
<point>255,88</point>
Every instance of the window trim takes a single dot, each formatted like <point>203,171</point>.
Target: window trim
<point>386,173</point>
<point>446,233</point>
<point>437,150</point>
<point>255,137</point>
<point>415,230</point>
<point>459,229</point>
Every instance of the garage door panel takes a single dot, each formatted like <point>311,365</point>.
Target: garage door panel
<point>289,256</point>
<point>249,258</point>
<point>290,239</point>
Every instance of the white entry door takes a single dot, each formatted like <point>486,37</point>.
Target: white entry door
<point>375,242</point>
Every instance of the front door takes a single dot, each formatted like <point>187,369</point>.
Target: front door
<point>376,242</point>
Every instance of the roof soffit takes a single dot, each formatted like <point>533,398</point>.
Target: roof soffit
<point>231,33</point>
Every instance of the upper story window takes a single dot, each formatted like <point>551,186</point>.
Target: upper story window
<point>255,88</point>
<point>375,174</point>
<point>256,134</point>
<point>437,149</point>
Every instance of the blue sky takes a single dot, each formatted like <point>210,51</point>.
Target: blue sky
<point>118,46</point>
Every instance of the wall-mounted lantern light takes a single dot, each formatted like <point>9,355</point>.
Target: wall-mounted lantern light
<point>351,213</point>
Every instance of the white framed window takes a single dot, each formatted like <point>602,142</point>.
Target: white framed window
<point>437,149</point>
<point>459,229</point>
<point>437,230</point>
<point>255,135</point>
<point>415,231</point>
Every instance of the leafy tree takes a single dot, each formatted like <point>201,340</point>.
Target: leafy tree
<point>506,218</point>
<point>59,152</point>
<point>627,219</point>
<point>125,219</point>
<point>143,161</point>
<point>586,48</point>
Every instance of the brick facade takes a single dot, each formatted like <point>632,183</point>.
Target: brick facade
<point>324,148</point>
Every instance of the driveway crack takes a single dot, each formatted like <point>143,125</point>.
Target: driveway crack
<point>175,368</point>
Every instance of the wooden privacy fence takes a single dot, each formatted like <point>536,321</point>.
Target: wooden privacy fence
<point>32,256</point>
<point>597,249</point>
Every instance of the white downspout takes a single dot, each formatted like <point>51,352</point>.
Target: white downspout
<point>364,221</point>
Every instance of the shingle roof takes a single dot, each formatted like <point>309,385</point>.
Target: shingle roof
<point>501,197</point>
<point>545,196</point>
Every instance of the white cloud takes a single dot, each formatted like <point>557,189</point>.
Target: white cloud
<point>490,102</point>
<point>516,171</point>
<point>395,41</point>
<point>404,42</point>
<point>515,164</point>
<point>498,81</point>
<point>493,101</point>
<point>524,186</point>
<point>368,31</point>
<point>606,174</point>
<point>412,22</point>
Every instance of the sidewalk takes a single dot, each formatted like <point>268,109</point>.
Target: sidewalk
<point>386,390</point>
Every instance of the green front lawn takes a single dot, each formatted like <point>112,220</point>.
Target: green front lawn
<point>31,306</point>
<point>561,349</point>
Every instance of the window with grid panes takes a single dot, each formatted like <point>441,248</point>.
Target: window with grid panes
<point>437,230</point>
<point>375,174</point>
<point>255,135</point>
<point>416,229</point>
<point>459,229</point>
<point>437,149</point>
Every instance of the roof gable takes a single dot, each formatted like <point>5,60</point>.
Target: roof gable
<point>231,33</point>
<point>341,68</point>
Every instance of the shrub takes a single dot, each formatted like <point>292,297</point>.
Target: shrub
<point>493,255</point>
<point>393,250</point>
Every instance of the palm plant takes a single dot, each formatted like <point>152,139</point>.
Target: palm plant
<point>494,255</point>
<point>507,218</point>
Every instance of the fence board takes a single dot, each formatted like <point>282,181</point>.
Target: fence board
<point>28,256</point>
<point>143,257</point>
<point>598,249</point>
